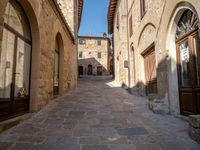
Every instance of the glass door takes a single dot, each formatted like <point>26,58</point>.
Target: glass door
<point>188,50</point>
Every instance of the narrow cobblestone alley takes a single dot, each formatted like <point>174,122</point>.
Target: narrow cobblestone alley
<point>99,116</point>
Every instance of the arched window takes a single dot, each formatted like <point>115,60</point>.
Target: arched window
<point>187,23</point>
<point>56,68</point>
<point>15,58</point>
<point>133,62</point>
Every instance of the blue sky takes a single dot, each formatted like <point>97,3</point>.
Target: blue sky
<point>94,17</point>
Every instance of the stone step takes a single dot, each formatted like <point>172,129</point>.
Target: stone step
<point>5,125</point>
<point>194,130</point>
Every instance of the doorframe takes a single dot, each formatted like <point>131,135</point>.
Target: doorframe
<point>170,46</point>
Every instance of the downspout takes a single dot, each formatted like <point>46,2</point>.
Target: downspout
<point>129,73</point>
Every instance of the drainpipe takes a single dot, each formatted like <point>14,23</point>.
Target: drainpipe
<point>129,73</point>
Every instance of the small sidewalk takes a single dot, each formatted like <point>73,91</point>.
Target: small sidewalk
<point>99,115</point>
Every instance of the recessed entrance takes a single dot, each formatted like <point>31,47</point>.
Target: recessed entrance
<point>80,70</point>
<point>99,70</point>
<point>15,62</point>
<point>188,63</point>
<point>89,70</point>
<point>56,69</point>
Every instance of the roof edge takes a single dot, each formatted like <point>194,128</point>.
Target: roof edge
<point>111,14</point>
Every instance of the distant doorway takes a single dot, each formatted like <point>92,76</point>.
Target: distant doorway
<point>99,70</point>
<point>89,70</point>
<point>80,70</point>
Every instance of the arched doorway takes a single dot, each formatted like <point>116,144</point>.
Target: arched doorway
<point>188,62</point>
<point>133,64</point>
<point>80,70</point>
<point>99,70</point>
<point>15,62</point>
<point>56,73</point>
<point>89,72</point>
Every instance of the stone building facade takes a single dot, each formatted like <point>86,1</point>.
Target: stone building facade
<point>120,43</point>
<point>162,49</point>
<point>38,53</point>
<point>93,55</point>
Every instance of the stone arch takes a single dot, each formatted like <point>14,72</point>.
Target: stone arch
<point>35,65</point>
<point>132,63</point>
<point>61,61</point>
<point>147,35</point>
<point>179,9</point>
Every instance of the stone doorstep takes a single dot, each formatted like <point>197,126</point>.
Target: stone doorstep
<point>195,134</point>
<point>7,124</point>
<point>194,121</point>
<point>194,129</point>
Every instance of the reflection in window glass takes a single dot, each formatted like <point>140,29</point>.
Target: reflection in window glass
<point>184,60</point>
<point>6,63</point>
<point>15,18</point>
<point>22,73</point>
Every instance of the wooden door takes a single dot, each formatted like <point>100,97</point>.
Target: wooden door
<point>80,70</point>
<point>150,71</point>
<point>188,64</point>
<point>89,70</point>
<point>99,70</point>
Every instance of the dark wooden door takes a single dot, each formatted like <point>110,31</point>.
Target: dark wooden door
<point>150,71</point>
<point>188,61</point>
<point>89,70</point>
<point>80,70</point>
<point>99,70</point>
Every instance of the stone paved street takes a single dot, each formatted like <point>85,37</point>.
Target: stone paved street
<point>99,116</point>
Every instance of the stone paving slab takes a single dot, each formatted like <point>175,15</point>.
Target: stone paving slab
<point>99,116</point>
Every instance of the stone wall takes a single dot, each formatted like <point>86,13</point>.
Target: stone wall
<point>46,25</point>
<point>90,52</point>
<point>68,10</point>
<point>120,43</point>
<point>156,27</point>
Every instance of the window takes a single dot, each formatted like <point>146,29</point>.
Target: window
<point>56,69</point>
<point>142,8</point>
<point>82,42</point>
<point>15,61</point>
<point>80,55</point>
<point>99,55</point>
<point>130,26</point>
<point>99,42</point>
<point>117,21</point>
